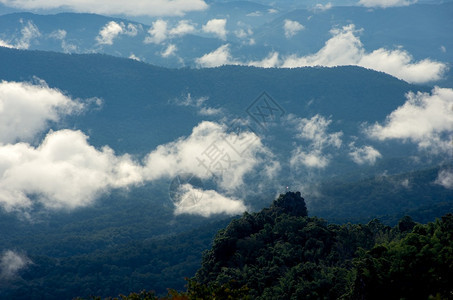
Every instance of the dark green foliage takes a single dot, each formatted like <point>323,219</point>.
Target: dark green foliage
<point>280,253</point>
<point>415,267</point>
<point>290,203</point>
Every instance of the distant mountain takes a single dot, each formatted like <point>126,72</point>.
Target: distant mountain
<point>319,135</point>
<point>134,233</point>
<point>250,30</point>
<point>129,88</point>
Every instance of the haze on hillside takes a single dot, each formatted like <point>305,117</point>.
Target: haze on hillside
<point>131,132</point>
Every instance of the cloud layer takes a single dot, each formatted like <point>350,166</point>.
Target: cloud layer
<point>26,109</point>
<point>344,48</point>
<point>28,33</point>
<point>425,119</point>
<point>364,155</point>
<point>160,31</point>
<point>11,263</point>
<point>63,171</point>
<point>207,203</point>
<point>292,28</point>
<point>313,131</point>
<point>131,8</point>
<point>113,29</point>
<point>216,27</point>
<point>386,3</point>
<point>445,179</point>
<point>219,57</point>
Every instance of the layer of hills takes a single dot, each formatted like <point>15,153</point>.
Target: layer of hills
<point>134,233</point>
<point>279,252</point>
<point>252,32</point>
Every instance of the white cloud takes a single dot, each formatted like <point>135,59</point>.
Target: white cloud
<point>271,61</point>
<point>11,263</point>
<point>199,104</point>
<point>364,155</point>
<point>63,172</point>
<point>386,3</point>
<point>292,28</point>
<point>5,44</point>
<point>242,33</point>
<point>26,109</point>
<point>60,34</point>
<point>254,14</point>
<point>345,48</point>
<point>184,27</point>
<point>217,27</point>
<point>108,33</point>
<point>206,203</point>
<point>445,179</point>
<point>314,131</point>
<point>112,30</point>
<point>66,172</point>
<point>426,119</point>
<point>219,57</point>
<point>157,32</point>
<point>193,155</point>
<point>116,7</point>
<point>134,57</point>
<point>29,32</point>
<point>170,50</point>
<point>312,159</point>
<point>321,7</point>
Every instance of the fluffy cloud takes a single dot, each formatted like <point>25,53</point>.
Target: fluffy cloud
<point>217,27</point>
<point>311,159</point>
<point>445,179</point>
<point>169,51</point>
<point>5,44</point>
<point>292,28</point>
<point>269,62</point>
<point>29,32</point>
<point>66,172</point>
<point>11,263</point>
<point>386,3</point>
<point>182,28</point>
<point>116,7</point>
<point>314,131</point>
<point>321,7</point>
<point>199,104</point>
<point>219,57</point>
<point>112,30</point>
<point>209,152</point>
<point>195,201</point>
<point>426,119</point>
<point>26,109</point>
<point>157,32</point>
<point>63,172</point>
<point>364,155</point>
<point>345,48</point>
<point>60,34</point>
